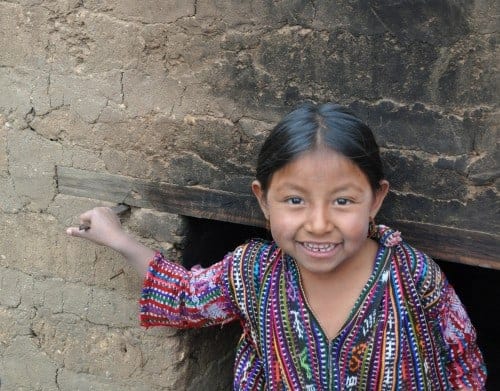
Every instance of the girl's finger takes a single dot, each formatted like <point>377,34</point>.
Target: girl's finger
<point>85,221</point>
<point>75,231</point>
<point>84,227</point>
<point>86,216</point>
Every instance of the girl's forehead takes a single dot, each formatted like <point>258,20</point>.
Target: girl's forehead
<point>321,158</point>
<point>320,165</point>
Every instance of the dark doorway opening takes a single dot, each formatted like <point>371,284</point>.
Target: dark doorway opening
<point>207,241</point>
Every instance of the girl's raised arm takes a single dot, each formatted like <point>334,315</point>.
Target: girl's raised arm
<point>171,296</point>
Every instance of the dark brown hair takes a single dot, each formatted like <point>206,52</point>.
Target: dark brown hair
<point>311,126</point>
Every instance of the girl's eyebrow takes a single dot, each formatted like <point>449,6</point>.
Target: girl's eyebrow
<point>290,185</point>
<point>350,186</point>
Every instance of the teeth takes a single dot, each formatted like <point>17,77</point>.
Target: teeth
<point>319,247</point>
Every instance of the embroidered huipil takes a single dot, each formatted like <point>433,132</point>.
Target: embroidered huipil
<point>407,331</point>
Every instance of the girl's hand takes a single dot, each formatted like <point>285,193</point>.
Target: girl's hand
<point>101,226</point>
<point>104,228</point>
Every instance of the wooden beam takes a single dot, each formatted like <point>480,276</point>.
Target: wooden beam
<point>452,244</point>
<point>446,243</point>
<point>190,201</point>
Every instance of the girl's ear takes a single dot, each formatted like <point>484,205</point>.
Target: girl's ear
<point>261,197</point>
<point>380,195</point>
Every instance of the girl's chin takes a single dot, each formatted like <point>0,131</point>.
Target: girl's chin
<point>317,270</point>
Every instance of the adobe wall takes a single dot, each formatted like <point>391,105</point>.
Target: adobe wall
<point>184,92</point>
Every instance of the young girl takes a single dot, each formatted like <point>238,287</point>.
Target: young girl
<point>334,302</point>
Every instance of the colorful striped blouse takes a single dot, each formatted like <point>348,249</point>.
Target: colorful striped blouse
<point>407,331</point>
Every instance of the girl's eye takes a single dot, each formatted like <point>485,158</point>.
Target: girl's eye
<point>294,200</point>
<point>342,201</point>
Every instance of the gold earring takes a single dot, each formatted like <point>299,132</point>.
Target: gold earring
<point>372,228</point>
<point>268,225</point>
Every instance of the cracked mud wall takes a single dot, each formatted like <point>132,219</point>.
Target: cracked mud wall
<point>184,92</point>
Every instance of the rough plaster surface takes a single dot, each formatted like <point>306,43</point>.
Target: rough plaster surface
<point>184,91</point>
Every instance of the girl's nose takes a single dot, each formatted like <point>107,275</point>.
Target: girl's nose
<point>319,220</point>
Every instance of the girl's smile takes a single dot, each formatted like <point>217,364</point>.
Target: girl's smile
<point>319,207</point>
<point>319,248</point>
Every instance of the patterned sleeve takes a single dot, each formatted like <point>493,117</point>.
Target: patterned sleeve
<point>465,365</point>
<point>175,297</point>
<point>466,368</point>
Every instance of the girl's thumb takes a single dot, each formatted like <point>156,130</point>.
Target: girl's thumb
<point>74,231</point>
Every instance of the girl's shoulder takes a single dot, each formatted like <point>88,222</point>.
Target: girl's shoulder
<point>423,270</point>
<point>248,269</point>
<point>413,257</point>
<point>255,253</point>
<point>253,260</point>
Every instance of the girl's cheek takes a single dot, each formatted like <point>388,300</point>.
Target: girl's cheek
<point>355,223</point>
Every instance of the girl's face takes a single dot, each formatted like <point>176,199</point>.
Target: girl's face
<point>319,207</point>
